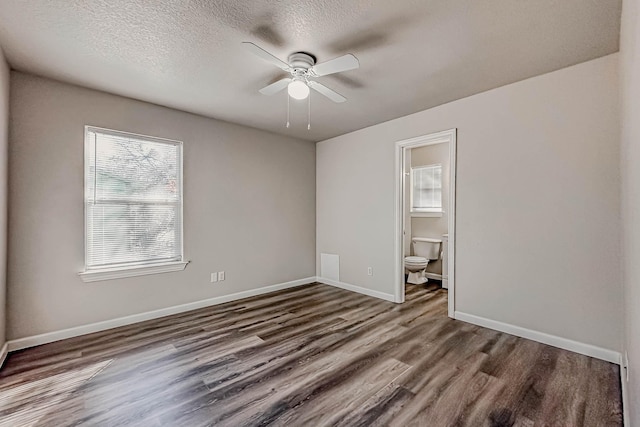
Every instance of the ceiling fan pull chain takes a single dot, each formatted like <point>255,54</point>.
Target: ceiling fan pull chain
<point>288,124</point>
<point>309,112</point>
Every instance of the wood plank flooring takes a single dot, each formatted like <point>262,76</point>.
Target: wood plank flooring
<point>309,356</point>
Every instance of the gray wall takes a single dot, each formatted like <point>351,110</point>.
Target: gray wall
<point>630,155</point>
<point>249,208</point>
<point>4,142</point>
<point>538,216</point>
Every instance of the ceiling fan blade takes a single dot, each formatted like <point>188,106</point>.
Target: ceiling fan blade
<point>343,63</point>
<point>275,87</point>
<point>329,93</point>
<point>261,53</point>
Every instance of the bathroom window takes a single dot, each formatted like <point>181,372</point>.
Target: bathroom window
<point>133,205</point>
<point>426,190</point>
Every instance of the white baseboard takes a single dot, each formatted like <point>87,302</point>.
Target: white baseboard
<point>3,353</point>
<point>433,276</point>
<point>564,343</point>
<point>20,343</point>
<point>625,396</point>
<point>358,289</point>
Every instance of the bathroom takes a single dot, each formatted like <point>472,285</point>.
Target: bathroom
<point>427,183</point>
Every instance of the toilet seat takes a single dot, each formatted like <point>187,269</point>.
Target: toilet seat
<point>416,262</point>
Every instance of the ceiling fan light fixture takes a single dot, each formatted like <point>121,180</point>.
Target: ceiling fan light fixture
<point>298,89</point>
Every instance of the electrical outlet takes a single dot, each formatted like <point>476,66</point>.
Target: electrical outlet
<point>214,277</point>
<point>370,271</point>
<point>221,275</point>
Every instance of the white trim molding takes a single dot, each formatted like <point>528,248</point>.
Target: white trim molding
<point>3,353</point>
<point>434,276</point>
<point>426,214</point>
<point>138,270</point>
<point>541,337</point>
<point>624,384</point>
<point>401,149</point>
<point>358,289</point>
<point>26,342</point>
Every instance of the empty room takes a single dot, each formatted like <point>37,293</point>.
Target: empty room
<point>319,213</point>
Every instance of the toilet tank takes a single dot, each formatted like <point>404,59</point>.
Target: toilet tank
<point>426,247</point>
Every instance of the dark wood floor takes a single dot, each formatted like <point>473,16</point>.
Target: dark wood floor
<point>312,356</point>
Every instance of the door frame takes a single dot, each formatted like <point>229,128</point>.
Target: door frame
<point>401,147</point>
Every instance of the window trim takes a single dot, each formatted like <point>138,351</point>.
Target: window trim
<point>131,270</point>
<point>96,275</point>
<point>427,214</point>
<point>424,212</point>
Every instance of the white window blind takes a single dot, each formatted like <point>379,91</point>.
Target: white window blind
<point>426,194</point>
<point>133,199</point>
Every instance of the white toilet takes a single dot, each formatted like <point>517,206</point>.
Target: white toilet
<point>424,249</point>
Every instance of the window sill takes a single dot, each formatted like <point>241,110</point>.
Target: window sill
<point>426,214</point>
<point>122,272</point>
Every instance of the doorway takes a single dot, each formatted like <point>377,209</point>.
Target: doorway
<point>403,180</point>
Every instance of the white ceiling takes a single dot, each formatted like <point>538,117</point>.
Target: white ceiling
<point>414,54</point>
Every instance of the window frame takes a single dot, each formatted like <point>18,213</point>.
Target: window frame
<point>92,274</point>
<point>425,212</point>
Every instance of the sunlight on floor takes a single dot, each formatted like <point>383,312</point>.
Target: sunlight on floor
<point>45,392</point>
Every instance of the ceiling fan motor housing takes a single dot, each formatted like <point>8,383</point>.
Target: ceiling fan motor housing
<point>301,60</point>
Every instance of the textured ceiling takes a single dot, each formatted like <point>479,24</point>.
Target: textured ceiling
<point>414,54</point>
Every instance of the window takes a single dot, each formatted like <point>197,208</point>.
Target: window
<point>426,189</point>
<point>133,205</point>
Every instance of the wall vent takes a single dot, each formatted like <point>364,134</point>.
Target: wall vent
<point>330,266</point>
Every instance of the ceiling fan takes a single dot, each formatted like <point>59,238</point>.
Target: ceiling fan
<point>303,70</point>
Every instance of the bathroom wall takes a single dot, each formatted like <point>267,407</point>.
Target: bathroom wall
<point>248,195</point>
<point>537,210</point>
<point>433,227</point>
